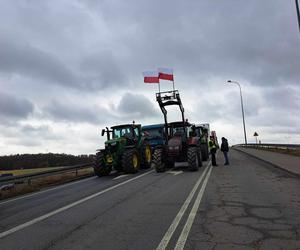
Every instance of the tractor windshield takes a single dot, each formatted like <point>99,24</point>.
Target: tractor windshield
<point>178,131</point>
<point>154,133</point>
<point>122,132</point>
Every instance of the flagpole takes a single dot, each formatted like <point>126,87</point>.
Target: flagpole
<point>158,87</point>
<point>173,84</point>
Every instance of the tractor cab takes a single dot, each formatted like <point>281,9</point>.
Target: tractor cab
<point>130,132</point>
<point>155,134</point>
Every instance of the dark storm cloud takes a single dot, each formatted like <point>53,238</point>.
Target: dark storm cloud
<point>14,108</point>
<point>101,70</point>
<point>64,50</point>
<point>229,38</point>
<point>44,131</point>
<point>130,107</point>
<point>21,58</point>
<point>68,112</point>
<point>136,106</point>
<point>285,97</point>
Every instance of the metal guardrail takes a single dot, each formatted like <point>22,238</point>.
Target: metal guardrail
<point>18,179</point>
<point>270,146</point>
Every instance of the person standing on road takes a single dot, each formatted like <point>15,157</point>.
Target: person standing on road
<point>212,149</point>
<point>225,149</point>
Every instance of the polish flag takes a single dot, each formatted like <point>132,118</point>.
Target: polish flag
<point>166,74</point>
<point>151,77</point>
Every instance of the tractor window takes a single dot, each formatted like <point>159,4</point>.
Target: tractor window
<point>136,131</point>
<point>126,132</point>
<point>155,133</point>
<point>120,132</point>
<point>178,131</point>
<point>117,133</point>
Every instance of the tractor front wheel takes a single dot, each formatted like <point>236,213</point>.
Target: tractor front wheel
<point>146,156</point>
<point>158,162</point>
<point>131,161</point>
<point>100,168</point>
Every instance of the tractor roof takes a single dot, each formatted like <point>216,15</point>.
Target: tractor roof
<point>125,126</point>
<point>179,124</point>
<point>153,126</point>
<point>204,125</point>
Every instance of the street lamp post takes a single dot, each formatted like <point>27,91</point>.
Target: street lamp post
<point>298,13</point>
<point>230,81</point>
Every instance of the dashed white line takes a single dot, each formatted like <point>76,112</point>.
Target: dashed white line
<point>174,172</point>
<point>45,216</point>
<point>120,176</point>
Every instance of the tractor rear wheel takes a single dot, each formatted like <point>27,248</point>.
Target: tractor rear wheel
<point>158,162</point>
<point>193,158</point>
<point>100,168</point>
<point>146,156</point>
<point>131,161</point>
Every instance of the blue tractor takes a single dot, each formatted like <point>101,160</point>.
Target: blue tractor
<point>155,134</point>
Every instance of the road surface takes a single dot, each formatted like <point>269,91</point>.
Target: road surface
<point>248,205</point>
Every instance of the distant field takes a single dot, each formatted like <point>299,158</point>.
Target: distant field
<point>27,171</point>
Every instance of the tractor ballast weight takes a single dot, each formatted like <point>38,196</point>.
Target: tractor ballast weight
<point>126,149</point>
<point>181,142</point>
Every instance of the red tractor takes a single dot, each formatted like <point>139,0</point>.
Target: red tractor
<point>181,143</point>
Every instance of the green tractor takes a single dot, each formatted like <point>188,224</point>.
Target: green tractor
<point>126,150</point>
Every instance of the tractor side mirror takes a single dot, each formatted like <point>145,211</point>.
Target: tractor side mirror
<point>102,132</point>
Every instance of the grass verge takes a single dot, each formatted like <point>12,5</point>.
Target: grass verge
<point>42,182</point>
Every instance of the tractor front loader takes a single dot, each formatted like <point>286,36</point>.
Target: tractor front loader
<point>181,142</point>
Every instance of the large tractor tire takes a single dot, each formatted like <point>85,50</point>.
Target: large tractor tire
<point>157,161</point>
<point>146,156</point>
<point>131,161</point>
<point>100,168</point>
<point>193,158</point>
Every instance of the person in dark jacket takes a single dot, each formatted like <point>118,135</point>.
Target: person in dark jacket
<point>225,149</point>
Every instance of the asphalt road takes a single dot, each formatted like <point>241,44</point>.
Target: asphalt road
<point>248,205</point>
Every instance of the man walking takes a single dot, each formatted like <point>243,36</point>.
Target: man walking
<point>213,149</point>
<point>225,149</point>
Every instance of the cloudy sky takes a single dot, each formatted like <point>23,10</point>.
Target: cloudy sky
<point>70,68</point>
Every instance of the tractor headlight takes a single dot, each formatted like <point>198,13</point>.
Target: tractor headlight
<point>174,148</point>
<point>113,144</point>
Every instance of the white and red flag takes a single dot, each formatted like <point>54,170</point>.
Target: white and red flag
<point>151,77</point>
<point>166,74</point>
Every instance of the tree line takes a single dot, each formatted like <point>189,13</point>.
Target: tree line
<point>25,161</point>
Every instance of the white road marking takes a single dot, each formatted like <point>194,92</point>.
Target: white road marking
<point>47,190</point>
<point>188,225</point>
<point>165,240</point>
<point>120,176</point>
<point>45,216</point>
<point>181,164</point>
<point>174,172</point>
